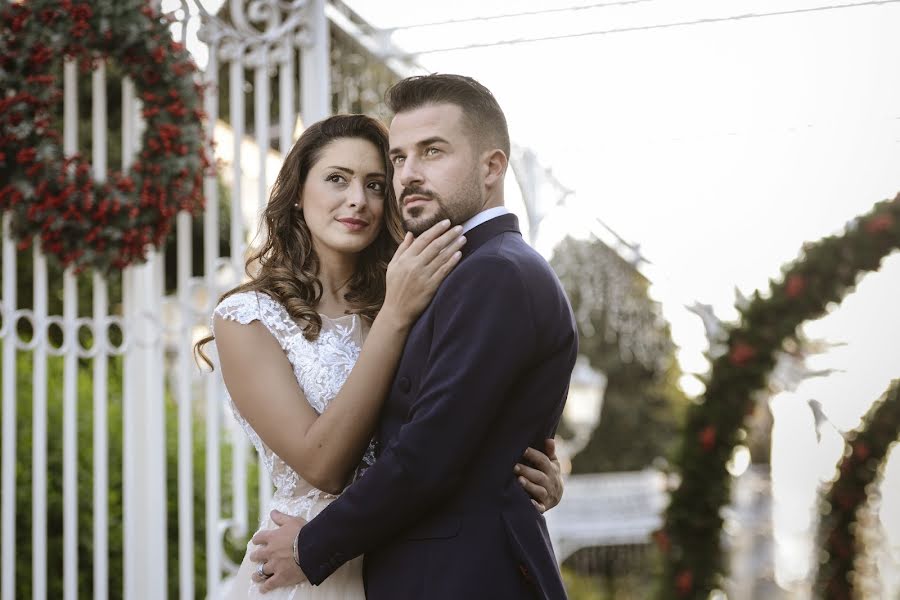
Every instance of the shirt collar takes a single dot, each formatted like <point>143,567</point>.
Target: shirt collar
<point>483,216</point>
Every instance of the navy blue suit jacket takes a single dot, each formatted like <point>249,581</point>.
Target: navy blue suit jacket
<point>484,375</point>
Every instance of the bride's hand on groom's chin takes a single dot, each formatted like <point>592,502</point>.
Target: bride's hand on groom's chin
<point>275,551</point>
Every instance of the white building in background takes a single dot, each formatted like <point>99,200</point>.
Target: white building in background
<point>583,407</point>
<point>251,202</point>
<point>605,510</point>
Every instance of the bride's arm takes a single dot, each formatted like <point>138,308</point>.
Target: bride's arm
<point>325,448</point>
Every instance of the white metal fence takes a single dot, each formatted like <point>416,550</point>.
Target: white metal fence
<point>147,335</point>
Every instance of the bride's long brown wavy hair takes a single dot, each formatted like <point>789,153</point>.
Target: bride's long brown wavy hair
<point>287,265</point>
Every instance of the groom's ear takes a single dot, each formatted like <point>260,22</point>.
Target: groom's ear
<point>495,163</point>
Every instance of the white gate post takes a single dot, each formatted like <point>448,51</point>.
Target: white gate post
<point>143,431</point>
<point>315,81</point>
<point>144,435</point>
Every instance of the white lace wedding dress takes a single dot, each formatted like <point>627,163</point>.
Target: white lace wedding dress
<point>321,367</point>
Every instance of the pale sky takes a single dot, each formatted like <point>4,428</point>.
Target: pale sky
<point>719,149</point>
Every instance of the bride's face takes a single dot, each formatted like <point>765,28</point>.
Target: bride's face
<point>343,196</point>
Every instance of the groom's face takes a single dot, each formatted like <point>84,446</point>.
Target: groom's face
<point>436,167</point>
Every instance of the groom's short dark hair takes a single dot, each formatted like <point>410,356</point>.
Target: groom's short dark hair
<point>483,115</point>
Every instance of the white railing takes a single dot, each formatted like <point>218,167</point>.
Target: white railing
<point>607,509</point>
<point>157,334</point>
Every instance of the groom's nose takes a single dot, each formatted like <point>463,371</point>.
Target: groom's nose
<point>410,174</point>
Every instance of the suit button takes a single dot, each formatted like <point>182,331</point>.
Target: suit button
<point>404,385</point>
<point>525,573</point>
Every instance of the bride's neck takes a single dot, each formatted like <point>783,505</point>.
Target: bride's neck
<point>335,272</point>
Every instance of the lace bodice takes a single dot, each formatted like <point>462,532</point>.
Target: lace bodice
<point>321,368</point>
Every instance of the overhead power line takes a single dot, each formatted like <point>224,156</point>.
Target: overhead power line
<point>542,11</point>
<point>706,21</point>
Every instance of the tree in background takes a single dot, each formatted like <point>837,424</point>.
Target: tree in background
<point>623,335</point>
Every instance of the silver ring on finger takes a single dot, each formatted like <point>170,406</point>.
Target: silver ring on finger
<point>261,572</point>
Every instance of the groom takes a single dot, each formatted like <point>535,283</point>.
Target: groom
<point>483,376</point>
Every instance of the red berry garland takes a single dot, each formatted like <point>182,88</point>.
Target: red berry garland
<point>862,465</point>
<point>85,223</point>
<point>693,555</point>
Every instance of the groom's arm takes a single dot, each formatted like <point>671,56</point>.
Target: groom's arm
<point>483,339</point>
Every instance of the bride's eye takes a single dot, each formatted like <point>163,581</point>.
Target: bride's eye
<point>336,178</point>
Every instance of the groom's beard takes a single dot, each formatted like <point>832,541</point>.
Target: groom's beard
<point>459,209</point>
<point>418,224</point>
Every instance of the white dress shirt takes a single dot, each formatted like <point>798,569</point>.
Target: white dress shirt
<point>483,216</point>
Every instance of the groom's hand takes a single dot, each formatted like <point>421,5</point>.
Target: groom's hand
<point>276,553</point>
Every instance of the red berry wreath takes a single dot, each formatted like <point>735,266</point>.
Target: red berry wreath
<point>104,225</point>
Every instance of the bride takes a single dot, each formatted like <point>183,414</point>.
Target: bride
<point>308,347</point>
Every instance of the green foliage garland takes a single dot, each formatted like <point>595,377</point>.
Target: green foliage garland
<point>691,537</point>
<point>106,225</point>
<point>859,469</point>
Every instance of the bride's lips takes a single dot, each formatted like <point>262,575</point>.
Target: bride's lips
<point>354,224</point>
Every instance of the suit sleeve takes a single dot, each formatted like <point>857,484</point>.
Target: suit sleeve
<point>483,339</point>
